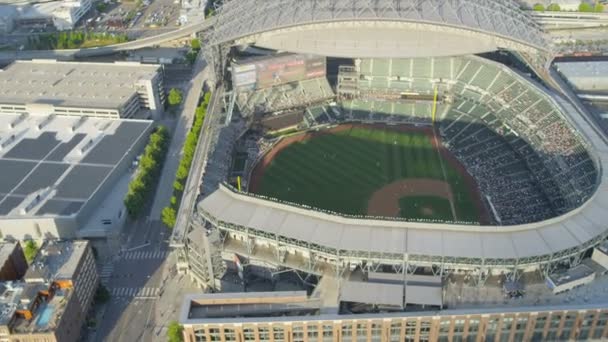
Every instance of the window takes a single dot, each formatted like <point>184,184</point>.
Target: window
<point>278,333</point>
<point>249,334</point>
<point>214,334</point>
<point>361,331</point>
<point>313,331</point>
<point>395,331</point>
<point>298,333</point>
<point>229,334</point>
<point>264,333</point>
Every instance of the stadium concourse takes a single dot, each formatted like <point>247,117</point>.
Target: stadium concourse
<point>534,159</point>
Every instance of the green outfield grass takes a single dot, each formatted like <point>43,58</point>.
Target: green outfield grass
<point>340,172</point>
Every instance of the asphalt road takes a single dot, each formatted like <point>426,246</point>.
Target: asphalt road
<point>141,272</point>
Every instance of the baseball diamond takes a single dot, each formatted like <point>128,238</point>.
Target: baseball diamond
<point>376,170</point>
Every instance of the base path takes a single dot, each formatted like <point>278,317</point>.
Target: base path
<point>385,202</point>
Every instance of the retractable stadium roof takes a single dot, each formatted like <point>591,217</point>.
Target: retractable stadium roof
<point>380,28</point>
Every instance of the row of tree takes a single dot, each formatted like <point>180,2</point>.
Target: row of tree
<point>148,171</point>
<point>169,213</point>
<point>73,40</point>
<point>583,7</point>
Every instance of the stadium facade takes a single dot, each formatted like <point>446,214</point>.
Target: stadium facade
<point>516,136</point>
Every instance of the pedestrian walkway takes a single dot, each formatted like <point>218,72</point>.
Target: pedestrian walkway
<point>139,255</point>
<point>106,273</point>
<point>134,292</point>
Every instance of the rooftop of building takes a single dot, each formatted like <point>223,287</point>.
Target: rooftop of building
<point>603,247</point>
<point>52,165</point>
<point>70,84</point>
<point>583,69</point>
<point>250,304</point>
<point>571,274</point>
<point>56,260</point>
<point>37,295</point>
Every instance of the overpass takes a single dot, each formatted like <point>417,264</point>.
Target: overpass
<point>182,32</point>
<point>552,20</point>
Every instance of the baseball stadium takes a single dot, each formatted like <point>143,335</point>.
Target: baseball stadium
<point>409,137</point>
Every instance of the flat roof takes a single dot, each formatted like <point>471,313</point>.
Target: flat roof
<point>572,274</point>
<point>72,84</point>
<point>583,69</point>
<point>56,260</point>
<point>372,293</point>
<point>52,165</point>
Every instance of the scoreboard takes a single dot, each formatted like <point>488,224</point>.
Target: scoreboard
<point>273,71</point>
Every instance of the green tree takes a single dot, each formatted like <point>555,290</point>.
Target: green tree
<point>148,171</point>
<point>174,332</point>
<point>599,7</point>
<point>30,250</point>
<point>195,44</point>
<point>191,57</point>
<point>102,295</point>
<point>175,97</point>
<point>554,8</point>
<point>173,201</point>
<point>585,7</point>
<point>178,186</point>
<point>168,216</point>
<point>539,7</point>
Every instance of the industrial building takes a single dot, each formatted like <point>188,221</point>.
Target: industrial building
<point>105,90</point>
<point>66,176</point>
<point>62,15</point>
<point>52,300</point>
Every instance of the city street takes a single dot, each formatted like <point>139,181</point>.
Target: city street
<point>144,270</point>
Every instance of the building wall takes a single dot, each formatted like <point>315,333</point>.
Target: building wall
<point>28,228</point>
<point>48,109</point>
<point>523,326</point>
<point>15,266</point>
<point>86,280</point>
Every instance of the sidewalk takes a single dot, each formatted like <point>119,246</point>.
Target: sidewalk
<point>173,288</point>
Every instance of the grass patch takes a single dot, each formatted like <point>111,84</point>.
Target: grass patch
<point>341,171</point>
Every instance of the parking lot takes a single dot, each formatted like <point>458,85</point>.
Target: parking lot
<point>133,17</point>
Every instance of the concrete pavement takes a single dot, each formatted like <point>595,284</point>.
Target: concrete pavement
<point>184,123</point>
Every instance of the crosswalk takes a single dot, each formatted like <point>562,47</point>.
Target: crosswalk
<point>134,291</point>
<point>106,273</point>
<point>138,255</point>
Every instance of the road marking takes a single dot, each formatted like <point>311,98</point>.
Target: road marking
<point>106,273</point>
<point>146,292</point>
<point>139,255</point>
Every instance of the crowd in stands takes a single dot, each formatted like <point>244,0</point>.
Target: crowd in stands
<point>528,160</point>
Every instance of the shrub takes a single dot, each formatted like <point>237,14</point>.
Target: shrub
<point>30,250</point>
<point>539,7</point>
<point>175,97</point>
<point>169,216</point>
<point>585,7</point>
<point>195,44</point>
<point>174,332</point>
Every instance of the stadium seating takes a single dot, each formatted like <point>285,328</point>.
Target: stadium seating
<point>285,96</point>
<point>497,125</point>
